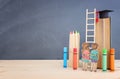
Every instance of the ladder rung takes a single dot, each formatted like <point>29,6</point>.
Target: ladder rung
<point>90,12</point>
<point>90,29</point>
<point>90,35</point>
<point>90,41</point>
<point>90,24</point>
<point>91,18</point>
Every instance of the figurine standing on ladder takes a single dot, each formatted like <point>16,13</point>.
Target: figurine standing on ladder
<point>85,56</point>
<point>94,57</point>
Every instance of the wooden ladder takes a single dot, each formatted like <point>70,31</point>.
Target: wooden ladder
<point>90,22</point>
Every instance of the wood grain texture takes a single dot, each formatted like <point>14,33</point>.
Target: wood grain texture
<point>71,50</point>
<point>50,69</point>
<point>99,40</point>
<point>103,38</point>
<point>74,42</point>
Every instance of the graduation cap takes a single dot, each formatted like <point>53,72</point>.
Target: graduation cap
<point>104,13</point>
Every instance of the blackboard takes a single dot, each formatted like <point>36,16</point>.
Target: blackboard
<point>39,29</point>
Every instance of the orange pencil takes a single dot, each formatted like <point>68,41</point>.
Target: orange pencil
<point>75,58</point>
<point>112,59</point>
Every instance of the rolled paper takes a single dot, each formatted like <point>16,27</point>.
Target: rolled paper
<point>65,50</point>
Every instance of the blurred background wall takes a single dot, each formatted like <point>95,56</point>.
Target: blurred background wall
<point>39,29</point>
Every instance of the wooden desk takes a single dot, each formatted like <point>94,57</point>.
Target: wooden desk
<point>49,69</point>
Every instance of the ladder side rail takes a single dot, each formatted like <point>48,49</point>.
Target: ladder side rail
<point>86,23</point>
<point>94,24</point>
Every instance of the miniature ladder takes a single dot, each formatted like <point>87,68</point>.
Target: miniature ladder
<point>90,21</point>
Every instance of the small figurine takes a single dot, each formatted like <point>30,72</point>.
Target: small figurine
<point>85,56</point>
<point>94,57</point>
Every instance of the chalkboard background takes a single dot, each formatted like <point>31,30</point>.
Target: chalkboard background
<point>39,29</point>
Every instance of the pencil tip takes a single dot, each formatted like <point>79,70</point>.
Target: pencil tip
<point>76,31</point>
<point>71,32</point>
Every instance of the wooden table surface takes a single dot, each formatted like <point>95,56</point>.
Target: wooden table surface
<point>50,69</point>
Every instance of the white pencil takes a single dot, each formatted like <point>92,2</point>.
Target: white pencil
<point>74,42</point>
<point>70,49</point>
